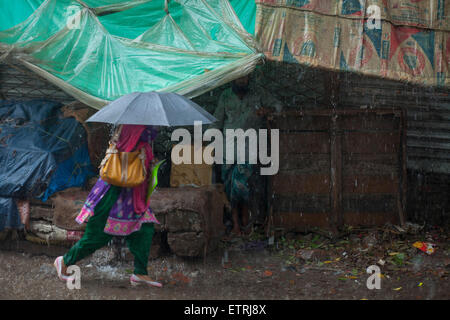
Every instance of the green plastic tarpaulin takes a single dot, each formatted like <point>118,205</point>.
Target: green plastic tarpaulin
<point>99,50</point>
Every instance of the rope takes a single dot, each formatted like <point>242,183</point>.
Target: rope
<point>166,6</point>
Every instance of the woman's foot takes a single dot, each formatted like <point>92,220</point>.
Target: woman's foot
<point>141,278</point>
<point>61,269</point>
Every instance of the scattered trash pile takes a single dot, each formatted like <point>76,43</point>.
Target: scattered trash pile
<point>412,249</point>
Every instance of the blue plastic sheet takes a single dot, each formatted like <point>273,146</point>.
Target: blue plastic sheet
<point>9,215</point>
<point>40,153</point>
<point>71,173</point>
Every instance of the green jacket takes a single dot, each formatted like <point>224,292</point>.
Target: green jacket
<point>234,113</point>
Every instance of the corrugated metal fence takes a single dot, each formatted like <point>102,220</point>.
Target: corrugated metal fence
<point>428,116</point>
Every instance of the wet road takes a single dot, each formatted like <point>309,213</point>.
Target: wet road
<point>248,275</point>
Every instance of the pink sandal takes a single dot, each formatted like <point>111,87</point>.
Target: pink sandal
<point>58,266</point>
<point>135,280</point>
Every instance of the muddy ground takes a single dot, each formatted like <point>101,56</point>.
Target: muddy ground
<point>295,266</point>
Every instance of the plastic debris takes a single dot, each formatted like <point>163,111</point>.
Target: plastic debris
<point>180,277</point>
<point>268,273</point>
<point>399,259</point>
<point>426,247</point>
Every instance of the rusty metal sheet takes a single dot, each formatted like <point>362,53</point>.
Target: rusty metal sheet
<point>374,143</point>
<point>369,121</point>
<point>307,142</point>
<point>370,184</point>
<point>371,164</point>
<point>304,122</point>
<point>294,221</point>
<point>350,173</point>
<point>288,184</point>
<point>304,163</point>
<point>301,203</point>
<point>369,203</point>
<point>428,114</point>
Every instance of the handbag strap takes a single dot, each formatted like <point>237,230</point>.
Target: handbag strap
<point>116,135</point>
<point>112,146</point>
<point>113,150</point>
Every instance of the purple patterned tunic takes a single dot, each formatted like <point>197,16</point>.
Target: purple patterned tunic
<point>122,219</point>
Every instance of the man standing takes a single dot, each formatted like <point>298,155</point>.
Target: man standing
<point>242,107</point>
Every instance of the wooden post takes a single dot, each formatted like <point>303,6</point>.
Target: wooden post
<point>269,207</point>
<point>332,88</point>
<point>402,193</point>
<point>331,84</point>
<point>336,219</point>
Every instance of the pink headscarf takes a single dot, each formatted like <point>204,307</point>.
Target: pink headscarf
<point>129,140</point>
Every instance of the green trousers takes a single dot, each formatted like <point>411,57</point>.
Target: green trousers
<point>94,237</point>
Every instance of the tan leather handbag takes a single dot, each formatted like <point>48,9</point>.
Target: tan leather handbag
<point>123,169</point>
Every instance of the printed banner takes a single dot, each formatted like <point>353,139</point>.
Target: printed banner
<point>410,43</point>
<point>431,14</point>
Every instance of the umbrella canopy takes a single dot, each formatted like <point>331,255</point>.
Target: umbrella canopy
<point>153,108</point>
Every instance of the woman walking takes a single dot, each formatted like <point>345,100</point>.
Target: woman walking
<point>118,211</point>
